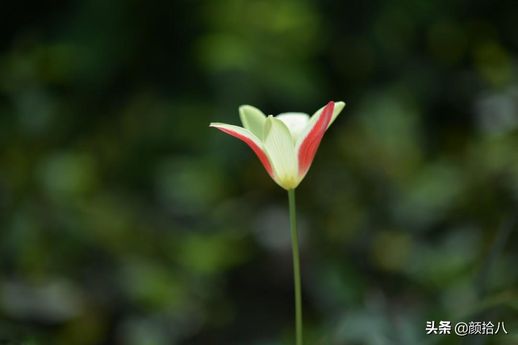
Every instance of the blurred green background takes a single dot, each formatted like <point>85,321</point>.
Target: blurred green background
<point>125,219</point>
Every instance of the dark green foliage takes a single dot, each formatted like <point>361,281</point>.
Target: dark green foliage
<point>124,219</point>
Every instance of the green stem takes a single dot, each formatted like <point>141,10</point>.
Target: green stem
<point>296,267</point>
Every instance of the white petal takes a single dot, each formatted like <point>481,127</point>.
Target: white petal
<point>253,119</point>
<point>281,151</point>
<point>296,123</point>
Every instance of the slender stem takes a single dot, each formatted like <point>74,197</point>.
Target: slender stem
<point>296,267</point>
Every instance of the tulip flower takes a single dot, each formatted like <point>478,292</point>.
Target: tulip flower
<point>286,145</point>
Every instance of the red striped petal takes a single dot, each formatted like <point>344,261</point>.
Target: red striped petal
<point>258,150</point>
<point>308,147</point>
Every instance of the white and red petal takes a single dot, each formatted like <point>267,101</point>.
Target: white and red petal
<point>339,106</point>
<point>250,139</point>
<point>308,143</point>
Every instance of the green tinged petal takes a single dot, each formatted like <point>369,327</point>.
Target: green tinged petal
<point>253,119</point>
<point>281,150</point>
